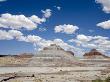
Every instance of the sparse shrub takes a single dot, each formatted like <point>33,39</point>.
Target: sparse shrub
<point>52,77</point>
<point>16,80</point>
<point>107,79</point>
<point>60,70</point>
<point>97,80</point>
<point>37,80</point>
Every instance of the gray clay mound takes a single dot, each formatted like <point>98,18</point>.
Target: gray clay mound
<point>54,56</point>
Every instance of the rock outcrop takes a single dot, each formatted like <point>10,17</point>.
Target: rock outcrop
<point>24,55</point>
<point>94,54</point>
<point>54,55</point>
<point>54,51</point>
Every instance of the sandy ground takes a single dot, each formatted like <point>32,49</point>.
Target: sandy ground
<point>52,74</point>
<point>47,69</point>
<point>12,61</point>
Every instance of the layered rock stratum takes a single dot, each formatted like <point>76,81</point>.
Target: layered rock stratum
<point>95,54</point>
<point>54,55</point>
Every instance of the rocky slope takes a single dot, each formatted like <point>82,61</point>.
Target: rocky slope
<point>54,55</point>
<point>95,54</point>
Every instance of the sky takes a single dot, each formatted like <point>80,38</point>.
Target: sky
<point>75,25</point>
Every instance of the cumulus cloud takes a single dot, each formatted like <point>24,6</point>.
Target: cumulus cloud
<point>47,13</point>
<point>20,21</point>
<point>62,44</point>
<point>44,43</point>
<point>58,7</point>
<point>15,33</point>
<point>41,43</point>
<point>98,42</point>
<point>77,51</point>
<point>16,22</point>
<point>100,37</point>
<point>84,38</point>
<point>9,35</point>
<point>5,35</point>
<point>104,25</point>
<point>105,4</point>
<point>90,45</point>
<point>36,19</point>
<point>38,41</point>
<point>33,39</point>
<point>66,28</point>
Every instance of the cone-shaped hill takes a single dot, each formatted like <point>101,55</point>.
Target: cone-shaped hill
<point>94,54</point>
<point>54,51</point>
<point>54,55</point>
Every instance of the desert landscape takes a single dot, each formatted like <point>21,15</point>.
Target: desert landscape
<point>54,64</point>
<point>54,40</point>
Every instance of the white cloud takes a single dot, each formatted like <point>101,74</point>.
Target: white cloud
<point>33,39</point>
<point>5,35</point>
<point>41,43</point>
<point>68,29</point>
<point>105,4</point>
<point>9,35</point>
<point>62,44</point>
<point>59,8</point>
<point>104,25</point>
<point>90,45</point>
<point>36,19</point>
<point>38,41</point>
<point>47,13</point>
<point>15,33</point>
<point>58,28</point>
<point>98,42</point>
<point>16,22</point>
<point>100,37</point>
<point>22,38</point>
<point>44,43</point>
<point>78,42</point>
<point>20,21</point>
<point>83,38</point>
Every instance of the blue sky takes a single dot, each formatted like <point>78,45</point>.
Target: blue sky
<point>79,25</point>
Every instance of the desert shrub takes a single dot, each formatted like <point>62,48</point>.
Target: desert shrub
<point>37,80</point>
<point>17,80</point>
<point>97,80</point>
<point>107,79</point>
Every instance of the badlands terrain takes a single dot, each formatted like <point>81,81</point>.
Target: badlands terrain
<point>53,64</point>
